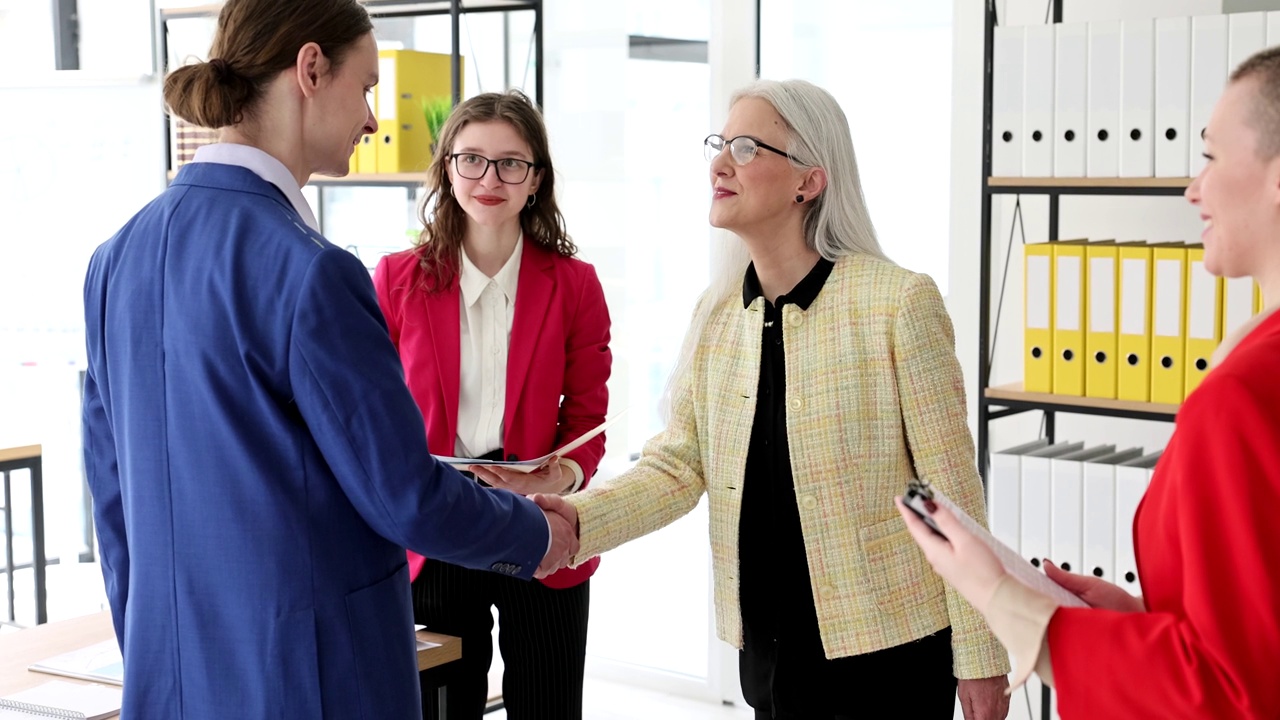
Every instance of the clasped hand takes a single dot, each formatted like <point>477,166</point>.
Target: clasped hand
<point>563,519</point>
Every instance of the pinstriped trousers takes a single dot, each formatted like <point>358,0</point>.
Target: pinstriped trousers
<point>542,635</point>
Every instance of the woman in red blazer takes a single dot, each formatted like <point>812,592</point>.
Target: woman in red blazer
<point>504,337</point>
<point>1203,641</point>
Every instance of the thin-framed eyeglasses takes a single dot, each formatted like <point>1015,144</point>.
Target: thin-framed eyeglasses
<point>511,171</point>
<point>743,149</point>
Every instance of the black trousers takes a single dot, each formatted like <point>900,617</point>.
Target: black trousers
<point>542,636</point>
<point>795,681</point>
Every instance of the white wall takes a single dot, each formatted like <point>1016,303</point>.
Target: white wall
<point>1092,217</point>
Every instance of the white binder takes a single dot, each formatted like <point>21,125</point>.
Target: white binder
<point>1137,98</point>
<point>1208,78</point>
<point>1070,99</point>
<point>1037,92</point>
<point>1246,35</point>
<point>1004,492</point>
<point>1006,101</point>
<point>1066,506</point>
<point>1034,541</point>
<point>1098,536</point>
<point>1273,28</point>
<point>1132,478</point>
<point>1237,304</point>
<point>1173,96</point>
<point>1104,100</point>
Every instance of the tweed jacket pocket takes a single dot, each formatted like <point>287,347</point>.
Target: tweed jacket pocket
<point>896,569</point>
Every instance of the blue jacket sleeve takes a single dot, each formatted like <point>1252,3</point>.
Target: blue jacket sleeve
<point>103,476</point>
<point>349,387</point>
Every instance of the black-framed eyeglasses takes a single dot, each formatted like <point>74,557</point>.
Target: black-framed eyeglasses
<point>743,149</point>
<point>511,171</point>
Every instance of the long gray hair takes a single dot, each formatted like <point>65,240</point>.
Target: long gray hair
<point>836,225</point>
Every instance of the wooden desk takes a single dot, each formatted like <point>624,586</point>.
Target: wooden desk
<point>22,648</point>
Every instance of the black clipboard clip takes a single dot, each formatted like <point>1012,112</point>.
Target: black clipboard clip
<point>919,499</point>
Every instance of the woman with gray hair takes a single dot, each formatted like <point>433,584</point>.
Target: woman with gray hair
<point>816,380</point>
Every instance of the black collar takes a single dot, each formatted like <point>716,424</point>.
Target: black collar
<point>803,294</point>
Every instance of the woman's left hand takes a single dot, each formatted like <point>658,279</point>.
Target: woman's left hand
<point>960,558</point>
<point>552,478</point>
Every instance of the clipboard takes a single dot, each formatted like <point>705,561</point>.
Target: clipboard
<point>1024,572</point>
<point>528,466</point>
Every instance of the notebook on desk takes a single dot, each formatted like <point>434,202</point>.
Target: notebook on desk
<point>98,663</point>
<point>64,700</point>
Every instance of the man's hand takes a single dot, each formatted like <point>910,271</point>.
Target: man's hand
<point>984,699</point>
<point>554,477</point>
<point>1096,592</point>
<point>563,519</point>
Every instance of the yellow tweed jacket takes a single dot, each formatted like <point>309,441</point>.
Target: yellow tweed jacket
<point>872,382</point>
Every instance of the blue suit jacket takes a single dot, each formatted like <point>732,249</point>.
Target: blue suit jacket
<point>258,466</point>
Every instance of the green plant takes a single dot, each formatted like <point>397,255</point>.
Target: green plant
<point>436,110</point>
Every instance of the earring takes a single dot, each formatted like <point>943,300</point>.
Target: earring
<point>533,199</point>
<point>799,198</point>
<point>455,197</point>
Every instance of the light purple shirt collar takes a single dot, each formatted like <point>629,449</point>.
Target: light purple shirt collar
<point>264,166</point>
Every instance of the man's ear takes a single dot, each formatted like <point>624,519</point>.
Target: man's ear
<point>311,66</point>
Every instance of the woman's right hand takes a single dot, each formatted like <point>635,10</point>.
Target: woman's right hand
<point>1097,593</point>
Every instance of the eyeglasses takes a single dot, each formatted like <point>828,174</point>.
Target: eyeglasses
<point>511,171</point>
<point>742,149</point>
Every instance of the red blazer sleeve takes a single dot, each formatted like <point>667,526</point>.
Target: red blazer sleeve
<point>588,362</point>
<point>382,284</point>
<point>1206,539</point>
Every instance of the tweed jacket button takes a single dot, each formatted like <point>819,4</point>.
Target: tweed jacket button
<point>810,502</point>
<point>794,403</point>
<point>827,592</point>
<point>794,318</point>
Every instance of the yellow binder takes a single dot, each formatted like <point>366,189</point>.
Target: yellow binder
<point>1168,318</point>
<point>406,80</point>
<point>1133,346</point>
<point>367,154</point>
<point>1102,278</point>
<point>1037,316</point>
<point>1204,318</point>
<point>1258,303</point>
<point>1068,317</point>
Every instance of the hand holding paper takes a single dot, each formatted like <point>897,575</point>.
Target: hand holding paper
<point>552,477</point>
<point>527,466</point>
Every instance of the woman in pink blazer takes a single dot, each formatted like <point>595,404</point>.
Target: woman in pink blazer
<point>504,337</point>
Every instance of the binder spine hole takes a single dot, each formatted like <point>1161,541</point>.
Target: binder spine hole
<point>1166,362</point>
<point>1135,134</point>
<point>1006,136</point>
<point>1036,352</point>
<point>1035,562</point>
<point>1097,572</point>
<point>1037,136</point>
<point>1171,134</point>
<point>1069,135</point>
<point>1202,364</point>
<point>1130,577</point>
<point>1100,357</point>
<point>1132,359</point>
<point>1103,135</point>
<point>1066,566</point>
<point>1068,355</point>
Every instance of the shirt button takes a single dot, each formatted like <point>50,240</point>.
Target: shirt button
<point>827,592</point>
<point>794,403</point>
<point>809,502</point>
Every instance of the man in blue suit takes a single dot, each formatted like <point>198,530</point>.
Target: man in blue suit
<point>257,465</point>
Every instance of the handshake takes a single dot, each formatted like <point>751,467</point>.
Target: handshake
<point>563,519</point>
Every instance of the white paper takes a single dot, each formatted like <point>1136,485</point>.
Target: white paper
<point>91,701</point>
<point>527,466</point>
<point>1013,563</point>
<point>101,662</point>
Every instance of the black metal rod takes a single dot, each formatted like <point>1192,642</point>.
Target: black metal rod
<point>537,52</point>
<point>1084,190</point>
<point>1005,412</point>
<point>984,243</point>
<point>66,35</point>
<point>455,56</point>
<point>37,540</point>
<point>8,544</point>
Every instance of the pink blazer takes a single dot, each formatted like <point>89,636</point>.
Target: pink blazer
<point>557,365</point>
